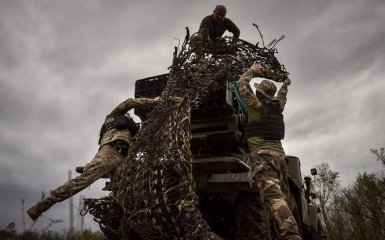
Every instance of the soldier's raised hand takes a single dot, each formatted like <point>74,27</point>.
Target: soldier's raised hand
<point>257,68</point>
<point>287,81</point>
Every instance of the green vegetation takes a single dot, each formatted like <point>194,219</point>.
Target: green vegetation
<point>355,212</point>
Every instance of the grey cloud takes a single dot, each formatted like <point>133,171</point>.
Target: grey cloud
<point>341,41</point>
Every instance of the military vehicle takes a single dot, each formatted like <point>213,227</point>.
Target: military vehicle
<point>221,163</point>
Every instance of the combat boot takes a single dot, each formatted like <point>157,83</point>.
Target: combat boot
<point>35,211</point>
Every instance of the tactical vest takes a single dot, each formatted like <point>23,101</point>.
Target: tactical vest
<point>271,127</point>
<point>120,122</point>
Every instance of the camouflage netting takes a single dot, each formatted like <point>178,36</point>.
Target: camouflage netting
<point>154,185</point>
<point>107,213</point>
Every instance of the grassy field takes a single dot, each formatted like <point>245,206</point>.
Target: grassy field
<point>49,235</point>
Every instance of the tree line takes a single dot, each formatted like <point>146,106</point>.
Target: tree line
<point>357,211</point>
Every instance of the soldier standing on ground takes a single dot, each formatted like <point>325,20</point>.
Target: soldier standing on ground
<point>115,137</point>
<point>213,27</point>
<point>264,132</point>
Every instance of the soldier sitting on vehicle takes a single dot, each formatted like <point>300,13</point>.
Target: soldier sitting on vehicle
<point>213,26</point>
<point>264,132</point>
<point>115,137</point>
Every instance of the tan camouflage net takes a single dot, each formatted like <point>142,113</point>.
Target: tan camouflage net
<point>158,170</point>
<point>155,185</point>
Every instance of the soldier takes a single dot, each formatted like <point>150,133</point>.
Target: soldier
<point>264,131</point>
<point>213,27</point>
<point>115,137</point>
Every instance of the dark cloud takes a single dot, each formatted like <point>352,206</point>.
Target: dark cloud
<point>65,64</point>
<point>342,39</point>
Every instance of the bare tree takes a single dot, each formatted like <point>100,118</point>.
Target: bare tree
<point>326,184</point>
<point>380,154</point>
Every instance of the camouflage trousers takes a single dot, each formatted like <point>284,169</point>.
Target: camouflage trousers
<point>105,161</point>
<point>269,171</point>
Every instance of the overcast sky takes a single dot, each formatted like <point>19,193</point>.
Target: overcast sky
<point>65,64</point>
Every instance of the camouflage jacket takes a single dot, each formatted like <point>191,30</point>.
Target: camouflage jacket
<point>121,109</point>
<point>254,107</point>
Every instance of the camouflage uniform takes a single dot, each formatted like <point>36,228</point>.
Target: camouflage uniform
<point>106,159</point>
<point>269,171</point>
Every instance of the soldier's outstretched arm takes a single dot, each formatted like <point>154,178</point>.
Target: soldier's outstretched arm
<point>204,29</point>
<point>131,103</point>
<point>234,30</point>
<point>282,93</point>
<point>244,86</point>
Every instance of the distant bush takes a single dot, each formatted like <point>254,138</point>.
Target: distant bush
<point>44,235</point>
<point>86,235</point>
<point>6,235</point>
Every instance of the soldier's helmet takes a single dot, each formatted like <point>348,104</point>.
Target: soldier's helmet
<point>267,88</point>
